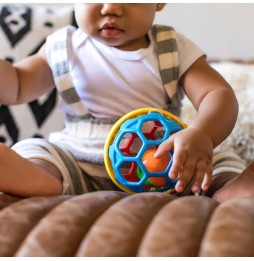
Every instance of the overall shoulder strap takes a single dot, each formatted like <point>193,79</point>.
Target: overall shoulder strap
<point>58,54</point>
<point>166,47</point>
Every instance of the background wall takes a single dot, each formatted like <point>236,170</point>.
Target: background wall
<point>223,31</point>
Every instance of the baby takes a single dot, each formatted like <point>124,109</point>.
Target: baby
<point>116,61</point>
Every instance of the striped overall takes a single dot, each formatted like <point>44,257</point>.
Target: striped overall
<point>79,160</point>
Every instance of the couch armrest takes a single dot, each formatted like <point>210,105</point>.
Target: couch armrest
<point>107,223</point>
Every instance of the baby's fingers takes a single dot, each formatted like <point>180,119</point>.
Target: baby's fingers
<point>207,180</point>
<point>179,159</point>
<point>203,176</point>
<point>165,147</point>
<point>186,173</point>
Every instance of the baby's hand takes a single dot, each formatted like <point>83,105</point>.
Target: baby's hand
<point>193,152</point>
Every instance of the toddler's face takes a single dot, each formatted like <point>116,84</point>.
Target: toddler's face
<point>123,26</point>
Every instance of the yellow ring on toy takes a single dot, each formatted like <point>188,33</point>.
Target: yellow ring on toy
<point>115,129</point>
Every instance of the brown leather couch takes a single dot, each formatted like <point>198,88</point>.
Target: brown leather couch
<point>108,223</point>
<point>113,223</point>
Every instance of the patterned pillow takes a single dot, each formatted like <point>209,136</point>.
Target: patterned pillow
<point>24,29</point>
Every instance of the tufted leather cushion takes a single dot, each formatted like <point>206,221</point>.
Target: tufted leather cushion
<point>107,223</point>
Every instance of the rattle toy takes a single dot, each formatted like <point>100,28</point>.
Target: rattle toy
<point>130,146</point>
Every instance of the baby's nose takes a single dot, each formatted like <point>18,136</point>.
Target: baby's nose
<point>111,9</point>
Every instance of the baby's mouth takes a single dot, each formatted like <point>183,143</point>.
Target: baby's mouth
<point>110,25</point>
<point>110,30</point>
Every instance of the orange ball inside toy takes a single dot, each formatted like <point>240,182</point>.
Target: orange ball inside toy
<point>153,164</point>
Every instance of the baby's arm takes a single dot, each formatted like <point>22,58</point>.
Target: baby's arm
<point>25,80</point>
<point>193,147</point>
<point>20,83</point>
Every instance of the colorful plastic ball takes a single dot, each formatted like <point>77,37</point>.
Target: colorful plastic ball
<point>153,164</point>
<point>129,154</point>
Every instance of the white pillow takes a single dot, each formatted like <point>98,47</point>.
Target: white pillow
<point>241,77</point>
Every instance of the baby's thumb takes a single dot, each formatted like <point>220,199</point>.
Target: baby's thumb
<point>164,147</point>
